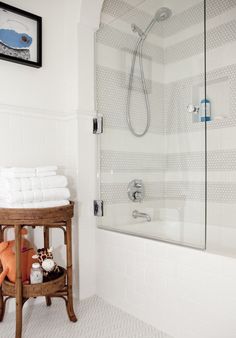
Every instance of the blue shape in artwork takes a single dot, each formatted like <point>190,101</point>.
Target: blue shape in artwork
<point>12,39</point>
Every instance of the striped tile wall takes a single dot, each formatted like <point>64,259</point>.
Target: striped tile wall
<point>174,172</point>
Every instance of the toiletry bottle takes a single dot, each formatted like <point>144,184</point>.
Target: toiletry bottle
<point>36,274</point>
<point>205,110</point>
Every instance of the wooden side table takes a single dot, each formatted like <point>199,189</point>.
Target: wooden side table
<point>58,217</point>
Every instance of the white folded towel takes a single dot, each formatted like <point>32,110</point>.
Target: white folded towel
<point>20,175</point>
<point>31,183</point>
<point>46,173</point>
<point>30,196</point>
<point>12,174</point>
<point>18,170</point>
<point>28,172</point>
<point>45,169</point>
<point>46,204</point>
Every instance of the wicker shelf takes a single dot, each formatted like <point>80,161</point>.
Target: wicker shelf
<point>36,290</point>
<point>58,217</point>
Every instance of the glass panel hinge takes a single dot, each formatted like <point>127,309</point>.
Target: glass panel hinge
<point>98,125</point>
<point>98,208</point>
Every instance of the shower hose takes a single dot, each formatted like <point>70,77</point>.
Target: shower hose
<point>138,52</point>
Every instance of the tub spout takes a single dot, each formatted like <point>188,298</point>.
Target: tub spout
<point>137,214</point>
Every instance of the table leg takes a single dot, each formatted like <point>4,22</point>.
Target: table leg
<point>46,246</point>
<point>70,309</point>
<point>19,302</point>
<point>1,234</point>
<point>2,305</point>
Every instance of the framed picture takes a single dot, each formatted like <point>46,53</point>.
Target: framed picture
<point>20,36</point>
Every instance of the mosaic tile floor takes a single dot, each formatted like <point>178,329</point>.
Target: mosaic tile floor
<point>97,319</point>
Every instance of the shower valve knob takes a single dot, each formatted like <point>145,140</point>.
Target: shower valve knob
<point>138,185</point>
<point>135,190</point>
<point>137,196</point>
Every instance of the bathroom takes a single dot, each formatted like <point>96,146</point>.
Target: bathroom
<point>169,269</point>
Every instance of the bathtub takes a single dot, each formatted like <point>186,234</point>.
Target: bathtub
<point>183,233</point>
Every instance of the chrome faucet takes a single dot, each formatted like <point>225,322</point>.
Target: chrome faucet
<point>137,214</point>
<point>136,191</point>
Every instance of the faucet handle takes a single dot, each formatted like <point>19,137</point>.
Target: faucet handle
<point>136,190</point>
<point>137,196</point>
<point>138,185</point>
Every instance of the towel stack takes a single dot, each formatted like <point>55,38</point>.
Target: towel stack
<point>32,188</point>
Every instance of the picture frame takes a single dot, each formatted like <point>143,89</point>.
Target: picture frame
<point>20,36</point>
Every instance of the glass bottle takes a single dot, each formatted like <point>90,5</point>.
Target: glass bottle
<point>36,274</point>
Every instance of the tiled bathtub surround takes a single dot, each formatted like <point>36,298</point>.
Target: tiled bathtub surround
<point>215,37</point>
<point>168,102</point>
<point>171,158</point>
<point>183,190</point>
<point>131,162</point>
<point>187,293</point>
<point>118,161</point>
<point>118,39</point>
<point>113,104</point>
<point>177,96</point>
<point>187,17</point>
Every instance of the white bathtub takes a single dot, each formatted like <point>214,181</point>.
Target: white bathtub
<point>188,234</point>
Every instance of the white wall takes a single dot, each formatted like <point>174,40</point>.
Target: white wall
<point>54,86</point>
<point>41,117</point>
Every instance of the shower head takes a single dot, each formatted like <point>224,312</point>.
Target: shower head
<point>138,30</point>
<point>163,13</point>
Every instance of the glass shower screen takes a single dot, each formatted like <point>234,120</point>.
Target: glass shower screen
<point>150,83</point>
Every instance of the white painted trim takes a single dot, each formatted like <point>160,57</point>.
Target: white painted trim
<point>88,23</point>
<point>90,12</point>
<point>33,112</point>
<point>86,113</point>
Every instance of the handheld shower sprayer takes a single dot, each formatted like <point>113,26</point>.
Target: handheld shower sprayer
<point>161,14</point>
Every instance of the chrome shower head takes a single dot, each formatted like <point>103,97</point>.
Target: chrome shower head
<point>138,30</point>
<point>163,13</point>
